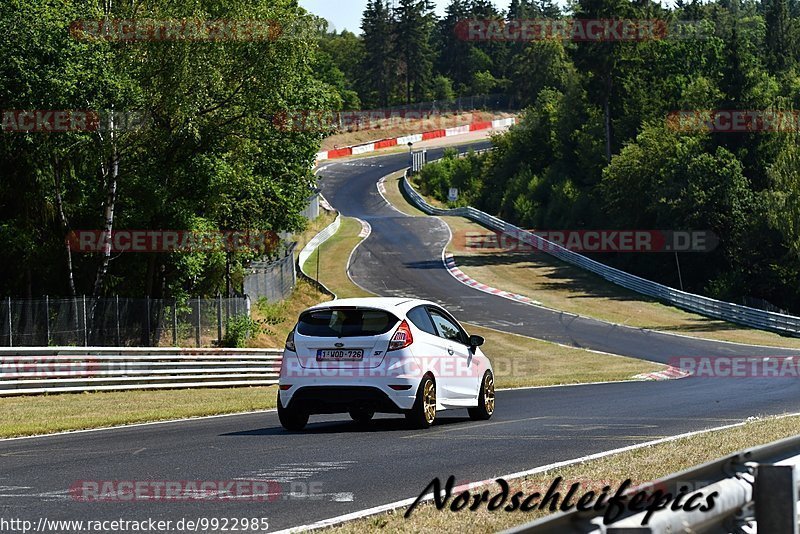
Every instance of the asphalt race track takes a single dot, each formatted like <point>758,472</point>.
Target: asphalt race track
<point>336,467</point>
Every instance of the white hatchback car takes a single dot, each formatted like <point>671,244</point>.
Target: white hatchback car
<point>392,355</point>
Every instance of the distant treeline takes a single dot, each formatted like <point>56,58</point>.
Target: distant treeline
<point>601,144</point>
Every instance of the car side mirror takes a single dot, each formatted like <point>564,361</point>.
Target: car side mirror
<point>476,341</point>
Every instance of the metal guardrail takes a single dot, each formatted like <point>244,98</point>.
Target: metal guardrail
<point>29,371</point>
<point>313,245</point>
<point>325,234</point>
<point>756,487</point>
<point>734,313</point>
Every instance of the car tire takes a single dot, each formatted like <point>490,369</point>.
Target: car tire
<point>290,418</point>
<point>485,407</point>
<point>362,416</point>
<point>423,413</point>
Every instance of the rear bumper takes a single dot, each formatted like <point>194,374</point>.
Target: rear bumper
<point>341,399</point>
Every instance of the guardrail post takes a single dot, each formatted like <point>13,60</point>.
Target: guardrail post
<point>197,333</point>
<point>175,322</point>
<point>47,317</point>
<point>219,318</point>
<point>10,325</point>
<point>775,496</point>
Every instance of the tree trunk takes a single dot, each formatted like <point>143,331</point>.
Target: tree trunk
<point>110,175</point>
<point>64,224</point>
<point>607,113</point>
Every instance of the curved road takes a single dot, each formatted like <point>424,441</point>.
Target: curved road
<point>335,467</point>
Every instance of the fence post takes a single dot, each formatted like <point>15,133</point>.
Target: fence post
<point>147,319</point>
<point>85,326</point>
<point>219,318</point>
<point>197,334</point>
<point>175,322</point>
<point>10,325</point>
<point>47,317</point>
<point>116,312</point>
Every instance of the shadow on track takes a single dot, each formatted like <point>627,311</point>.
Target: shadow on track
<point>344,426</point>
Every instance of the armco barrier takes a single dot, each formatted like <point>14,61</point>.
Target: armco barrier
<point>314,244</point>
<point>414,138</point>
<point>28,371</point>
<point>734,313</point>
<point>756,489</point>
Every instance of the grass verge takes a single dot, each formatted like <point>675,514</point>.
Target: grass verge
<point>30,415</point>
<point>25,416</point>
<point>332,256</point>
<point>640,465</point>
<point>563,287</point>
<point>517,360</point>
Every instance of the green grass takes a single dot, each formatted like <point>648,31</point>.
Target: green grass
<point>29,415</point>
<point>517,360</point>
<point>566,288</point>
<point>333,255</point>
<point>640,465</point>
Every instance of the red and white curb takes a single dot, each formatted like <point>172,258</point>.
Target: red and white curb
<point>670,373</point>
<point>414,138</point>
<point>458,274</point>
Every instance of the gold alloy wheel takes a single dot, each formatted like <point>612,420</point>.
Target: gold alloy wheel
<point>429,401</point>
<point>488,394</point>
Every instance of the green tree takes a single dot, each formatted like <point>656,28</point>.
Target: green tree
<point>378,66</point>
<point>412,41</point>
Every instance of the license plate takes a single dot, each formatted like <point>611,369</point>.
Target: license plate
<point>340,355</point>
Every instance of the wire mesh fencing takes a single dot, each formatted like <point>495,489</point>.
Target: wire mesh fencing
<point>273,280</point>
<point>117,321</point>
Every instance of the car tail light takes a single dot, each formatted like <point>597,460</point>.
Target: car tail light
<point>284,387</point>
<point>290,341</point>
<point>401,338</point>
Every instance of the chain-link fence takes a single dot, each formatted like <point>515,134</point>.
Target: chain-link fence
<point>489,102</point>
<point>274,279</point>
<point>115,321</point>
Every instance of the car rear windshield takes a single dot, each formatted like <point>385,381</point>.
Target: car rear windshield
<point>338,322</point>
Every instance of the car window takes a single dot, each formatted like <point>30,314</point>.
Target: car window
<point>447,329</point>
<point>345,322</point>
<point>419,316</point>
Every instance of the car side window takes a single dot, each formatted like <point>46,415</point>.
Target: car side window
<point>447,329</point>
<point>419,316</point>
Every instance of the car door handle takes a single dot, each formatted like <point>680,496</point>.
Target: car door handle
<point>450,351</point>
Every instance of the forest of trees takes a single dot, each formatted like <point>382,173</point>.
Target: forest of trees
<point>206,158</point>
<point>595,149</point>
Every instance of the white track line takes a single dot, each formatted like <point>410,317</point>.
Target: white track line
<point>406,502</point>
<point>539,305</point>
